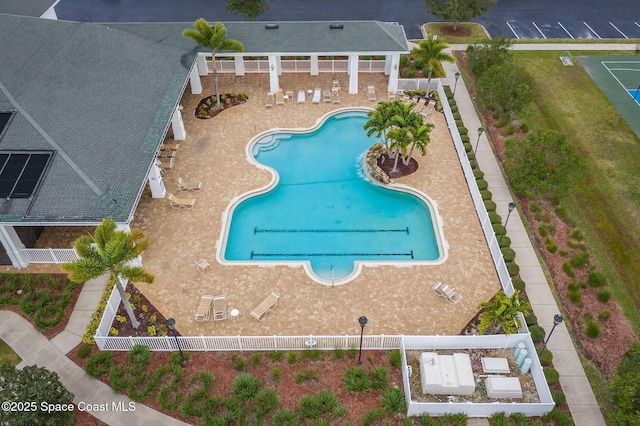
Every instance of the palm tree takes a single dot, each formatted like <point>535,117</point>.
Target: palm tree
<point>110,251</point>
<point>399,141</point>
<point>380,121</point>
<point>431,52</point>
<point>501,312</point>
<point>419,140</point>
<point>213,38</point>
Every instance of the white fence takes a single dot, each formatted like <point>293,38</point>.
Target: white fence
<point>434,343</point>
<point>50,255</point>
<point>298,65</point>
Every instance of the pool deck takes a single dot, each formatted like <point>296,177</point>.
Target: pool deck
<point>395,300</point>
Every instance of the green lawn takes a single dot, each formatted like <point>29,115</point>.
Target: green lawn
<point>607,207</point>
<point>8,355</point>
<point>478,34</point>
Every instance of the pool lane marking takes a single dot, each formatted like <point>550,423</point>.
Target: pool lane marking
<point>591,29</point>
<point>565,30</point>
<point>257,230</point>
<point>513,31</point>
<point>253,254</point>
<point>540,31</point>
<point>617,29</point>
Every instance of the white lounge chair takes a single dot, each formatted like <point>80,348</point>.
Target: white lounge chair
<point>326,96</point>
<point>270,100</point>
<point>420,105</point>
<point>267,305</point>
<point>167,153</point>
<point>335,96</point>
<point>279,97</point>
<point>302,97</point>
<point>428,110</point>
<point>289,95</point>
<point>316,96</point>
<point>203,308</point>
<point>371,93</point>
<point>184,186</point>
<point>181,203</point>
<point>170,146</point>
<point>391,95</point>
<point>165,164</point>
<point>219,308</point>
<point>336,85</point>
<point>446,291</point>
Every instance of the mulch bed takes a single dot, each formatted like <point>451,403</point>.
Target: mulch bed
<point>386,164</point>
<point>141,304</point>
<point>207,107</point>
<point>458,32</point>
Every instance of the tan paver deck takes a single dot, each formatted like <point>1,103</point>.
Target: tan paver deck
<point>395,300</point>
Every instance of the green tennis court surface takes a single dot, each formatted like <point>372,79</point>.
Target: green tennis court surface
<point>619,79</point>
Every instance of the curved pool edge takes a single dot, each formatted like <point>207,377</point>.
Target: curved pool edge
<point>221,243</point>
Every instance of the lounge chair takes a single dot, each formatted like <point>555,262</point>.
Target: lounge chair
<point>316,96</point>
<point>268,304</point>
<point>406,99</point>
<point>165,164</point>
<point>446,291</point>
<point>428,110</point>
<point>203,308</point>
<point>391,95</point>
<point>184,186</point>
<point>270,100</point>
<point>167,153</point>
<point>202,265</point>
<point>302,97</point>
<point>279,97</point>
<point>420,105</point>
<point>170,146</point>
<point>336,85</point>
<point>181,203</point>
<point>335,96</point>
<point>371,93</point>
<point>289,95</point>
<point>326,96</point>
<point>219,308</point>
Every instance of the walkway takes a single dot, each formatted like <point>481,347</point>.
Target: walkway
<point>577,389</point>
<point>35,349</point>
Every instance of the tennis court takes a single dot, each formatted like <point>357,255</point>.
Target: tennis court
<point>619,79</point>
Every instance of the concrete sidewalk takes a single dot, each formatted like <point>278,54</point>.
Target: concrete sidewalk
<point>577,389</point>
<point>35,349</point>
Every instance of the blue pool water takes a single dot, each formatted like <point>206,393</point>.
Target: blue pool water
<point>323,210</point>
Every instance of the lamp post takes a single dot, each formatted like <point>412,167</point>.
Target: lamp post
<point>557,319</point>
<point>363,321</point>
<point>457,76</point>
<point>475,151</point>
<point>171,325</point>
<point>512,206</point>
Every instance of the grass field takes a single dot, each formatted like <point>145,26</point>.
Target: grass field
<point>8,355</point>
<point>478,34</point>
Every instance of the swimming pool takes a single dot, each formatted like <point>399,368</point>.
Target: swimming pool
<point>320,211</point>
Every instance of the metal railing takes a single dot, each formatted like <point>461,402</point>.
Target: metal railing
<point>50,255</point>
<point>298,65</point>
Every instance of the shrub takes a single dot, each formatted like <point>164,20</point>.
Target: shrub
<point>552,375</point>
<point>245,387</point>
<point>356,379</point>
<point>495,218</point>
<point>503,121</point>
<point>141,387</point>
<point>352,353</point>
<point>530,319</point>
<point>580,261</point>
<point>625,387</point>
<point>404,60</point>
<point>489,54</point>
<point>505,241</point>
<point>596,279</point>
<point>266,400</point>
<point>537,333</point>
<point>465,139</point>
<point>418,63</point>
<point>238,362</point>
<point>195,403</point>
<point>551,245</point>
<point>203,380</point>
<point>139,355</point>
<point>293,357</point>
<point>319,404</point>
<point>255,359</point>
<point>478,174</point>
<point>456,116</point>
<point>305,375</point>
<point>379,379</point>
<point>395,358</point>
<point>568,269</point>
<point>486,194</point>
<point>524,128</point>
<point>393,400</point>
<point>558,418</point>
<point>558,397</point>
<point>463,130</point>
<point>275,375</point>
<point>575,296</point>
<point>454,108</point>
<point>499,229</point>
<point>409,72</point>
<point>338,354</point>
<point>313,354</point>
<point>169,397</point>
<point>499,419</point>
<point>467,147</point>
<point>513,269</point>
<point>604,296</point>
<point>508,254</point>
<point>482,184</point>
<point>98,364</point>
<point>604,315</point>
<point>83,351</point>
<point>176,357</point>
<point>508,130</point>
<point>286,417</point>
<point>32,301</point>
<point>490,206</point>
<point>546,358</point>
<point>120,376</point>
<point>168,375</point>
<point>373,416</point>
<point>593,329</point>
<point>275,356</point>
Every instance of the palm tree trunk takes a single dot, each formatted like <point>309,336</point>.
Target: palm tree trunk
<point>127,305</point>
<point>455,25</point>
<point>429,80</point>
<point>215,77</point>
<point>395,163</point>
<point>407,159</point>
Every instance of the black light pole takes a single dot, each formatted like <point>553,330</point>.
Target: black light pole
<point>557,319</point>
<point>457,76</point>
<point>475,151</point>
<point>512,206</point>
<point>171,325</point>
<point>363,321</point>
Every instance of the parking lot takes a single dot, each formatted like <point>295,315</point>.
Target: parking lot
<point>571,28</point>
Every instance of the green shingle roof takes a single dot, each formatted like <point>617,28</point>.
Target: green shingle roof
<point>100,98</point>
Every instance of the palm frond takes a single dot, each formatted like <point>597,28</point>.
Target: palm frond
<point>104,232</point>
<point>83,270</point>
<point>135,274</point>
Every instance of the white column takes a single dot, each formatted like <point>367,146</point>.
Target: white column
<point>238,60</point>
<point>12,244</point>
<point>179,133</point>
<point>201,63</point>
<point>353,74</point>
<point>274,84</point>
<point>194,80</point>
<point>387,64</point>
<point>279,65</point>
<point>394,72</point>
<point>314,65</point>
<point>156,183</point>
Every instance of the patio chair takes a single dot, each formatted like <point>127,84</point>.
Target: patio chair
<point>406,99</point>
<point>317,93</point>
<point>326,96</point>
<point>336,85</point>
<point>170,146</point>
<point>420,105</point>
<point>165,164</point>
<point>267,305</point>
<point>202,264</point>
<point>391,95</point>
<point>270,100</point>
<point>279,97</point>
<point>371,93</point>
<point>288,95</point>
<point>428,110</point>
<point>302,97</point>
<point>219,308</point>
<point>452,297</point>
<point>167,153</point>
<point>335,96</point>
<point>181,203</point>
<point>203,308</point>
<point>193,186</point>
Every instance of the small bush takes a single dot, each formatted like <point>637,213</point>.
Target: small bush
<point>558,418</point>
<point>546,358</point>
<point>575,296</point>
<point>505,241</point>
<point>139,355</point>
<point>395,358</point>
<point>568,269</point>
<point>245,387</point>
<point>530,319</point>
<point>275,375</point>
<point>524,128</point>
<point>98,364</point>
<point>195,404</point>
<point>168,375</point>
<point>558,397</point>
<point>314,354</point>
<point>604,296</point>
<point>508,254</point>
<point>490,206</point>
<point>266,400</point>
<point>418,63</point>
<point>604,315</point>
<point>275,356</point>
<point>508,130</point>
<point>319,404</point>
<point>286,417</point>
<point>467,146</point>
<point>306,375</point>
<point>393,400</point>
<point>256,358</point>
<point>596,279</point>
<point>373,417</point>
<point>338,354</point>
<point>120,376</point>
<point>454,108</point>
<point>465,139</point>
<point>537,333</point>
<point>550,245</point>
<point>352,353</point>
<point>409,73</point>
<point>486,194</point>
<point>499,419</point>
<point>535,208</point>
<point>404,60</point>
<point>495,218</point>
<point>293,357</point>
<point>379,379</point>
<point>552,375</point>
<point>482,184</point>
<point>513,269</point>
<point>456,115</point>
<point>503,121</point>
<point>593,329</point>
<point>463,130</point>
<point>478,174</point>
<point>580,261</point>
<point>169,398</point>
<point>141,387</point>
<point>83,351</point>
<point>238,362</point>
<point>176,357</point>
<point>356,380</point>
